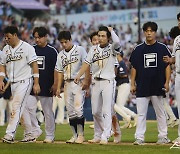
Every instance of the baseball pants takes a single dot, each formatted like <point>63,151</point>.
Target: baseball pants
<point>60,104</point>
<point>142,108</point>
<point>177,93</point>
<point>122,97</point>
<point>20,93</point>
<point>101,100</point>
<point>46,103</point>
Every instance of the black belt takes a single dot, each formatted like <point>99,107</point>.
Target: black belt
<point>69,80</point>
<point>98,79</point>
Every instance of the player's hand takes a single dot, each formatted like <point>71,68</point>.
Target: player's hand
<point>85,84</point>
<point>58,92</point>
<point>166,59</point>
<point>76,79</point>
<point>166,87</point>
<point>87,92</point>
<point>133,89</point>
<point>53,89</point>
<point>110,29</point>
<point>1,86</point>
<point>36,89</point>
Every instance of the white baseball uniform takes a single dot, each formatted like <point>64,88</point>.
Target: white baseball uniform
<point>176,53</point>
<point>102,62</point>
<point>17,62</point>
<point>69,63</point>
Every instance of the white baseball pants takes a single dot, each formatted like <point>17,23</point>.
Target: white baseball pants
<point>142,108</point>
<point>101,100</point>
<point>60,104</point>
<point>46,103</point>
<point>74,99</point>
<point>20,93</point>
<point>122,97</point>
<point>177,93</point>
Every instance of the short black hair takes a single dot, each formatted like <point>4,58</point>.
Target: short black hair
<point>178,16</point>
<point>92,35</point>
<point>174,32</point>
<point>11,30</point>
<point>104,28</point>
<point>64,35</point>
<point>42,31</point>
<point>150,24</point>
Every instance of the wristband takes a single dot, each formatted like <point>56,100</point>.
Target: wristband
<point>36,75</point>
<point>2,74</point>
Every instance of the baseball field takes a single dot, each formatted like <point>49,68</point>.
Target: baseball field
<point>63,133</point>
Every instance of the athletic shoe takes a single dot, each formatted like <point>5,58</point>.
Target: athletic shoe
<point>139,142</point>
<point>80,139</point>
<point>28,139</point>
<point>117,139</point>
<point>176,140</point>
<point>104,142</point>
<point>72,140</point>
<point>163,141</point>
<point>94,141</point>
<point>176,145</point>
<point>48,141</point>
<point>175,123</point>
<point>36,135</point>
<point>8,139</point>
<point>91,126</point>
<point>135,120</point>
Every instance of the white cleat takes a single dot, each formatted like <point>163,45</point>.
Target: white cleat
<point>28,139</point>
<point>176,140</point>
<point>103,142</point>
<point>91,126</point>
<point>48,141</point>
<point>8,139</point>
<point>37,135</point>
<point>117,139</point>
<point>72,140</point>
<point>80,139</point>
<point>94,141</point>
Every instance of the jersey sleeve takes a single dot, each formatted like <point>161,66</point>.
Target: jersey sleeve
<point>176,45</point>
<point>31,55</point>
<point>58,66</point>
<point>2,58</point>
<point>122,68</point>
<point>133,59</point>
<point>84,54</point>
<point>88,59</point>
<point>115,38</point>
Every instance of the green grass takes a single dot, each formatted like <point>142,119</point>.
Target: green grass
<point>63,133</point>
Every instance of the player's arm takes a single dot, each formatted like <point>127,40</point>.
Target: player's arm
<point>167,59</point>
<point>2,76</point>
<point>60,78</point>
<point>168,76</point>
<point>86,80</point>
<point>133,77</point>
<point>83,69</point>
<point>54,86</point>
<point>115,38</point>
<point>36,86</point>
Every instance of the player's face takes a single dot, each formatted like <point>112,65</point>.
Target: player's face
<point>10,39</point>
<point>95,40</point>
<point>150,35</point>
<point>66,44</point>
<point>40,41</point>
<point>103,39</point>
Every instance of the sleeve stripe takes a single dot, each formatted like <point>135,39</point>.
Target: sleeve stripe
<point>33,61</point>
<point>87,62</point>
<point>60,71</point>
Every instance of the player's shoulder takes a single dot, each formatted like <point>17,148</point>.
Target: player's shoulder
<point>177,42</point>
<point>138,47</point>
<point>52,48</point>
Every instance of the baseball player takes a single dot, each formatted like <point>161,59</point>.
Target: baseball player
<point>123,93</point>
<point>150,77</point>
<point>175,34</point>
<point>115,123</point>
<point>101,58</point>
<point>47,56</point>
<point>68,64</point>
<point>18,60</point>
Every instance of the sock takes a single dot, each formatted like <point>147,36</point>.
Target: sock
<point>73,124</point>
<point>80,126</point>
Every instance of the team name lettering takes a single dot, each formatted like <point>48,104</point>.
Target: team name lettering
<point>66,62</point>
<point>10,58</point>
<point>104,55</point>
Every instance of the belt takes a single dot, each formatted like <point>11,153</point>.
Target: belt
<point>69,80</point>
<point>99,79</point>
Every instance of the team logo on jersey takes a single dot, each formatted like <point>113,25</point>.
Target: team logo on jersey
<point>66,61</point>
<point>16,57</point>
<point>41,62</point>
<point>150,60</point>
<point>97,56</point>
